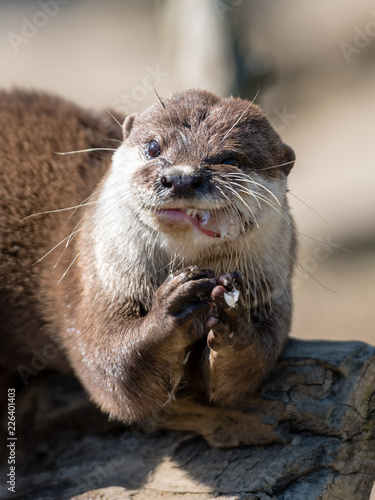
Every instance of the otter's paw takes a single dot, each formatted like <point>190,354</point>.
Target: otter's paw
<point>185,295</point>
<point>227,318</point>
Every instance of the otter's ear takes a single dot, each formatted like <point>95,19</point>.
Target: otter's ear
<point>287,158</point>
<point>128,125</point>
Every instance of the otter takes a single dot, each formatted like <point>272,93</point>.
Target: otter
<point>155,254</point>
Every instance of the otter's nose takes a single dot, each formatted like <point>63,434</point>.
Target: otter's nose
<point>181,183</point>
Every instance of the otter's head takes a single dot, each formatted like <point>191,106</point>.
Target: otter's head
<point>199,169</point>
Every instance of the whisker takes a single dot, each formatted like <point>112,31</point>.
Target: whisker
<point>338,247</point>
<point>283,283</point>
<point>163,104</point>
<point>230,188</point>
<point>250,180</point>
<point>116,120</point>
<point>84,151</point>
<point>239,119</point>
<point>81,205</point>
<point>308,206</point>
<point>314,152</point>
<point>49,251</point>
<point>265,200</point>
<point>316,280</point>
<point>73,261</point>
<point>275,166</point>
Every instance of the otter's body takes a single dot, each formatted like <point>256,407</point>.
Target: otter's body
<point>198,189</point>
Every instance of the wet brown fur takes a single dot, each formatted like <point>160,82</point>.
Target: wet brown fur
<point>123,329</point>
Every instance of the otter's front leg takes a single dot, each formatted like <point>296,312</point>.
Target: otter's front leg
<point>131,366</point>
<point>243,344</point>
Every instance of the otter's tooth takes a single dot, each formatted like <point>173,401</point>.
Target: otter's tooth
<point>223,228</point>
<point>204,217</point>
<point>192,212</point>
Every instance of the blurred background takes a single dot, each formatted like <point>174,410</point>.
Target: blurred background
<point>311,65</point>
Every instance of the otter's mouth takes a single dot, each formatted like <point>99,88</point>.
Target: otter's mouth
<point>213,223</point>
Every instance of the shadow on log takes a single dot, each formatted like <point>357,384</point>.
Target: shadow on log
<point>308,435</point>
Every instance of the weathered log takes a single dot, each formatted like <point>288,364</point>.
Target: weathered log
<point>309,434</point>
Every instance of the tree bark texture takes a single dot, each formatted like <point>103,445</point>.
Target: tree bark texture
<point>309,434</point>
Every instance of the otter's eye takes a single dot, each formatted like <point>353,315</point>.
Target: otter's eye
<point>153,149</point>
<point>231,161</point>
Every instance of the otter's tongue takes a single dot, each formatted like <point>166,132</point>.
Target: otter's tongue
<point>204,220</point>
